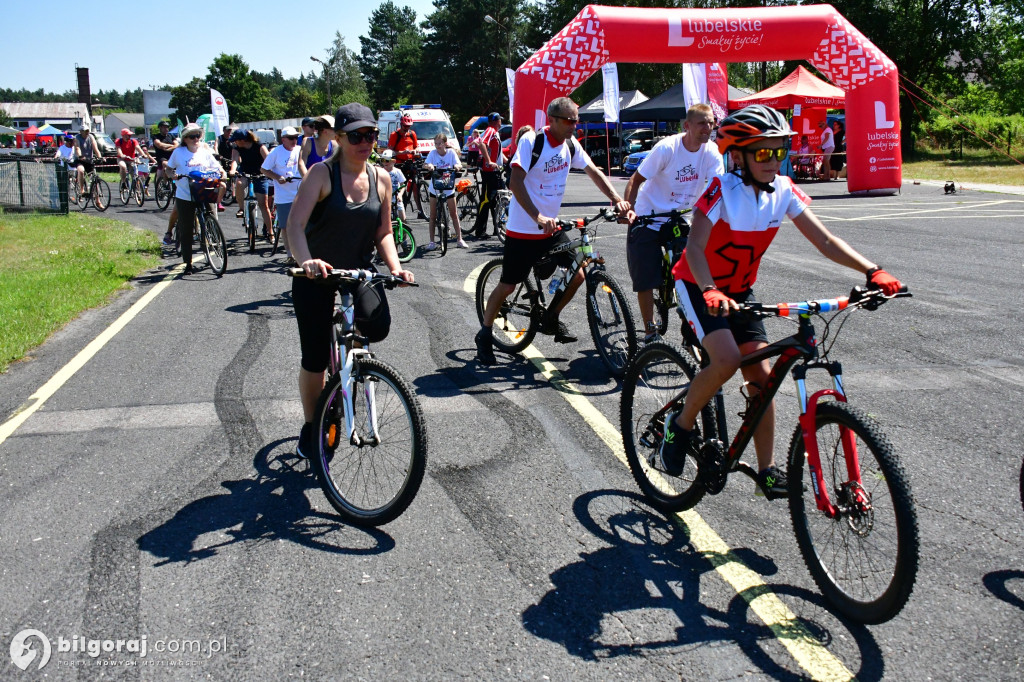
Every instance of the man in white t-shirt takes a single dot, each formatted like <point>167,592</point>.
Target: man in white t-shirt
<point>828,145</point>
<point>282,166</point>
<point>673,175</point>
<point>538,185</point>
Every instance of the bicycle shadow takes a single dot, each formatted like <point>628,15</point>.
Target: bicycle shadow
<point>278,306</point>
<point>511,372</point>
<point>996,582</point>
<point>602,605</point>
<point>273,506</point>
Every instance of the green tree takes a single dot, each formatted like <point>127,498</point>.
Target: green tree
<point>390,56</point>
<point>301,103</point>
<point>5,118</point>
<point>347,84</point>
<point>247,100</point>
<point>191,99</point>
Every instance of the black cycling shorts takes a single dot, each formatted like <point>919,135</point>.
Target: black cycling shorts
<point>522,254</point>
<point>744,328</point>
<point>314,311</point>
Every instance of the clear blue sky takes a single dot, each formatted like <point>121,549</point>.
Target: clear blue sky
<point>266,34</point>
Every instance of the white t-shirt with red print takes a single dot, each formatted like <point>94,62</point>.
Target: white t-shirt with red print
<point>545,180</point>
<point>744,223</point>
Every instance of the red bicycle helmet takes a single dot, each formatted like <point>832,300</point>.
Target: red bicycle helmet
<point>406,119</point>
<point>750,125</point>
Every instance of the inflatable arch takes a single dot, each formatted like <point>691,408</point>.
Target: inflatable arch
<point>817,33</point>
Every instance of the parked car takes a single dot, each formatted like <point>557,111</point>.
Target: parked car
<point>634,160</point>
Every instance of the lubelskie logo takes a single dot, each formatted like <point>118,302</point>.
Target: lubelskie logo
<point>676,37</point>
<point>555,164</point>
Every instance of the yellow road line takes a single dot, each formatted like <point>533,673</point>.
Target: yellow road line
<point>37,399</point>
<point>808,652</point>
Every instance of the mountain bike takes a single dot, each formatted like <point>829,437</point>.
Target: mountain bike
<point>97,192</point>
<point>443,180</point>
<point>468,191</point>
<point>855,523</point>
<point>503,197</point>
<point>250,210</point>
<point>205,228</point>
<point>371,441</point>
<point>163,192</point>
<point>278,228</point>
<point>521,315</point>
<point>672,236</point>
<point>131,186</point>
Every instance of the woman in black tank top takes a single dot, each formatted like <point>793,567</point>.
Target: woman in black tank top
<point>341,212</point>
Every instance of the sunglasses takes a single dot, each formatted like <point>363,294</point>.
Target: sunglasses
<point>574,121</point>
<point>766,155</point>
<point>289,137</point>
<point>355,137</point>
<point>192,137</point>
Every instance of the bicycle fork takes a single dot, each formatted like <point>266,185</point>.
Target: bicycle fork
<point>808,425</point>
<point>347,389</point>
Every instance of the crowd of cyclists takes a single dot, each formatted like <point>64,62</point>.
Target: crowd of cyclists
<point>334,185</point>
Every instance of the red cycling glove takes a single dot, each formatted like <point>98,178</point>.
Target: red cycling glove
<point>884,281</point>
<point>714,300</point>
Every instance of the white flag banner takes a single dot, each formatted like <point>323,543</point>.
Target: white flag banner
<point>510,83</point>
<point>695,85</point>
<point>610,71</point>
<point>219,111</point>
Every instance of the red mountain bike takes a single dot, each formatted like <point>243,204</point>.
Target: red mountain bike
<point>849,497</point>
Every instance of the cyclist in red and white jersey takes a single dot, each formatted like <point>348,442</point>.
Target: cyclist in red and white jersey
<point>735,221</point>
<point>127,149</point>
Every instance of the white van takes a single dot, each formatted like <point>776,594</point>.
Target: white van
<point>427,121</point>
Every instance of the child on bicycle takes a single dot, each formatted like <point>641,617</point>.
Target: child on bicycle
<point>441,157</point>
<point>387,160</point>
<point>734,222</point>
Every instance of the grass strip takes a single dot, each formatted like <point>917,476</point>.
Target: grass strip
<point>54,267</point>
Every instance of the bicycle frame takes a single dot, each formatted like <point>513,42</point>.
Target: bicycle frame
<point>342,339</point>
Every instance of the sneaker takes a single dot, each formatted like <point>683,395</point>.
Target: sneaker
<point>168,239</point>
<point>238,213</point>
<point>188,269</point>
<point>484,347</point>
<point>220,208</point>
<point>555,327</point>
<point>304,448</point>
<point>461,244</point>
<point>772,483</point>
<point>420,215</point>
<point>677,444</point>
<point>430,247</point>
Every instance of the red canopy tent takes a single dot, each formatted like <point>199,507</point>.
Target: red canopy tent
<point>29,134</point>
<point>800,87</point>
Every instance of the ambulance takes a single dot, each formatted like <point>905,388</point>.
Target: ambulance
<point>427,121</point>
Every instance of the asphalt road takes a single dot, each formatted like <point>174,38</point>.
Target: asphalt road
<point>155,493</point>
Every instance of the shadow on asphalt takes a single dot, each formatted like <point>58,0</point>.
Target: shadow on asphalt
<point>273,506</point>
<point>997,581</point>
<point>596,608</point>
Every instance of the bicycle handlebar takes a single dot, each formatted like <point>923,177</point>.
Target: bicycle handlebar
<point>389,281</point>
<point>860,297</point>
<point>674,214</point>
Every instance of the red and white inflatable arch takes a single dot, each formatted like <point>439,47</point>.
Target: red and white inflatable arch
<point>817,33</point>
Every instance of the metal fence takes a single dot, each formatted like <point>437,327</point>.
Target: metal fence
<point>28,184</point>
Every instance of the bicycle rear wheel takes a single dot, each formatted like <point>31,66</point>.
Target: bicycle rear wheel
<point>503,198</point>
<point>865,559</point>
<point>213,245</point>
<point>518,317</point>
<point>659,374</point>
<point>467,205</point>
<point>164,192</point>
<point>405,242</point>
<point>371,478</point>
<point>73,195</point>
<point>277,235</point>
<point>100,195</point>
<point>611,321</point>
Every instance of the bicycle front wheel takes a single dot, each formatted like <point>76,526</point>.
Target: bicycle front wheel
<point>405,242</point>
<point>442,225</point>
<point>611,321</point>
<point>371,477</point>
<point>164,193</point>
<point>73,196</point>
<point>249,216</point>
<point>213,245</point>
<point>659,376</point>
<point>101,195</point>
<point>124,188</point>
<point>518,317</point>
<point>501,213</point>
<point>864,559</point>
<point>140,192</point>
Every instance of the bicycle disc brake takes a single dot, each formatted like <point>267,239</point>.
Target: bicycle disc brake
<point>711,467</point>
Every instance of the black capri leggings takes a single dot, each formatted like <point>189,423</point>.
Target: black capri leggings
<point>314,310</point>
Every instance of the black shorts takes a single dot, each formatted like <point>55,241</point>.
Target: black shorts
<point>643,255</point>
<point>744,328</point>
<point>314,311</point>
<point>85,164</point>
<point>522,254</point>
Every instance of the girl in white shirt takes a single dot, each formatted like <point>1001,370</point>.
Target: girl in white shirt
<point>441,157</point>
